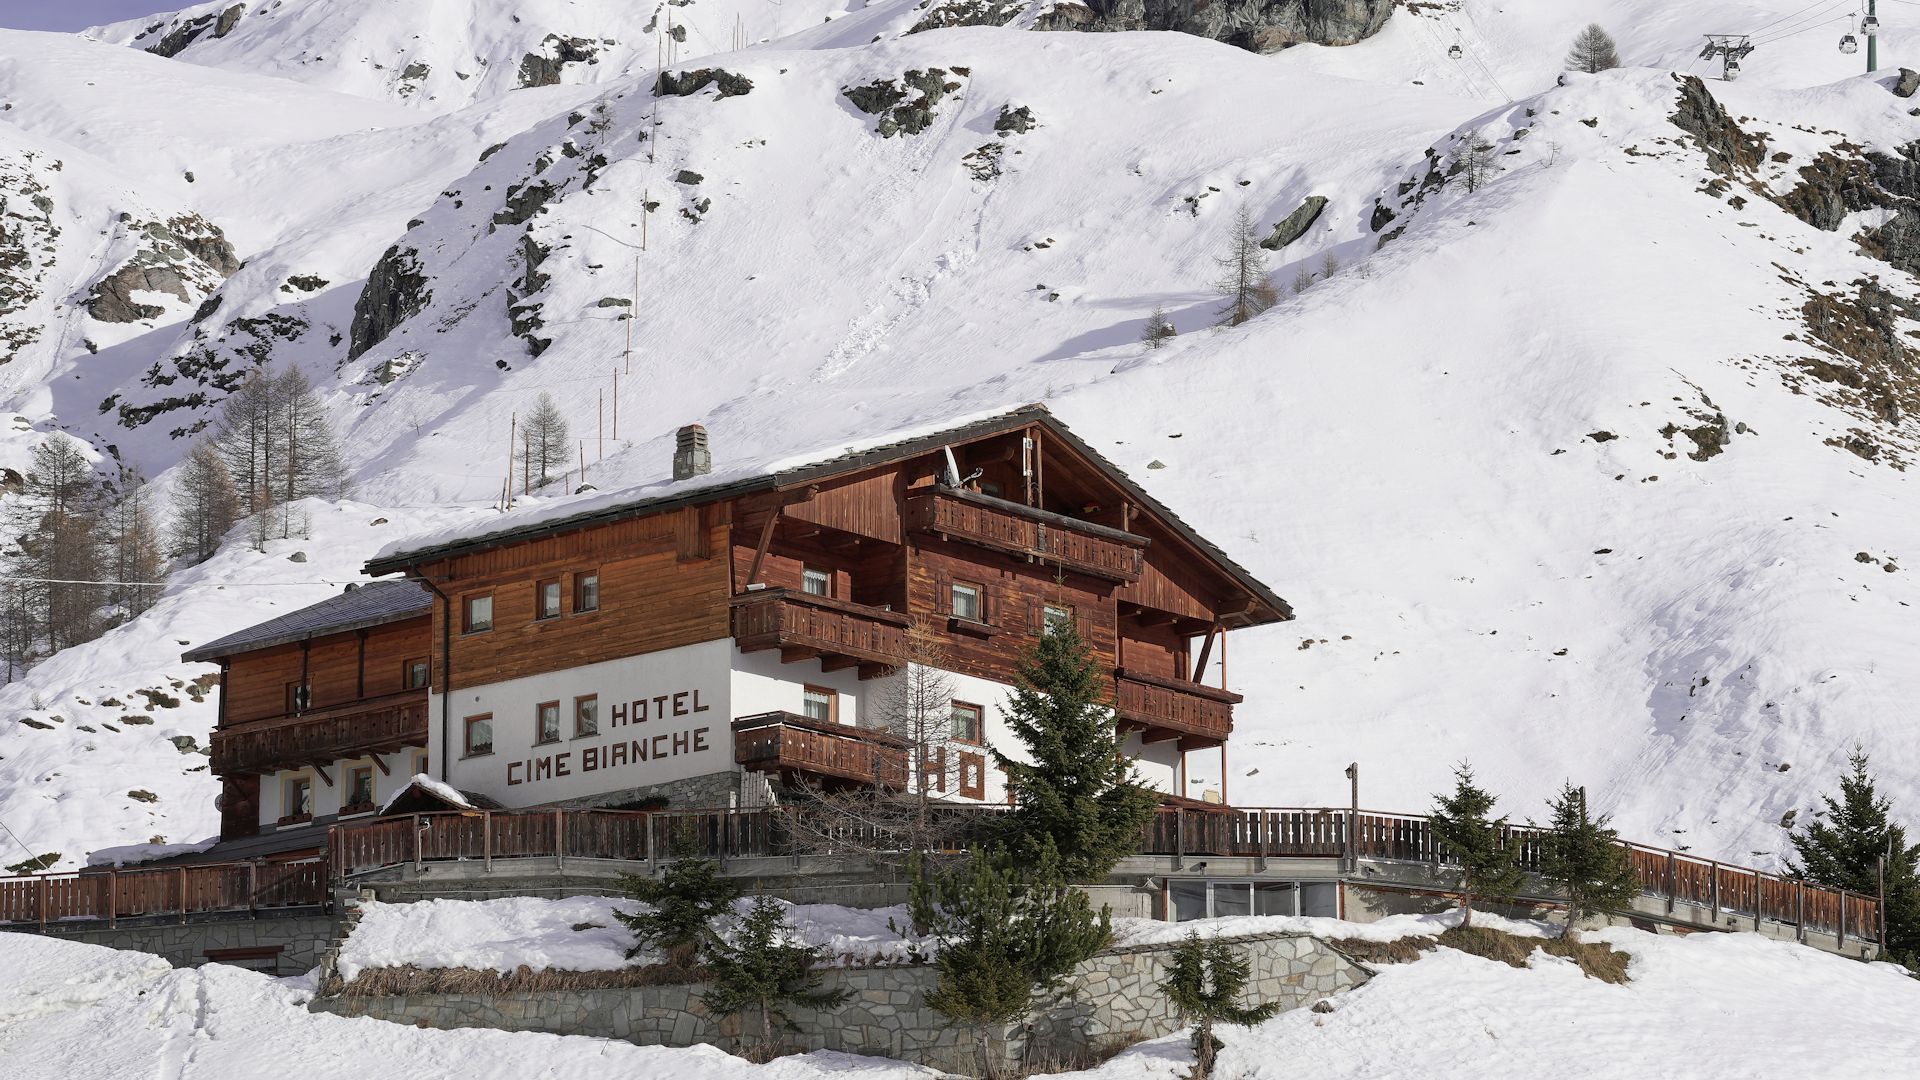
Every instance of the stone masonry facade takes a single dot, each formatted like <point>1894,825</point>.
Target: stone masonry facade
<point>1111,998</point>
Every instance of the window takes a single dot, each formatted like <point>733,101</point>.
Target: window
<point>546,722</point>
<point>300,797</point>
<point>299,697</point>
<point>586,716</point>
<point>820,703</point>
<point>546,599</point>
<point>479,613</point>
<point>816,582</point>
<point>420,763</point>
<point>1197,898</point>
<point>973,776</point>
<point>967,602</point>
<point>1056,618</point>
<point>479,735</point>
<point>416,674</point>
<point>360,786</point>
<point>586,590</point>
<point>968,723</point>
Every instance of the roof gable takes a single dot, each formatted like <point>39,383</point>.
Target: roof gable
<point>359,607</point>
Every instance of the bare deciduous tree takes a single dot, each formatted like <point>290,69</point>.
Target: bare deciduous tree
<point>1593,51</point>
<point>1243,273</point>
<point>1475,162</point>
<point>278,447</point>
<point>58,558</point>
<point>205,503</point>
<point>1159,328</point>
<point>130,536</point>
<point>543,444</point>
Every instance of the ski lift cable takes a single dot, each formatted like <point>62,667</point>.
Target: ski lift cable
<point>1491,77</point>
<point>1781,33</point>
<point>1797,33</point>
<point>1786,18</point>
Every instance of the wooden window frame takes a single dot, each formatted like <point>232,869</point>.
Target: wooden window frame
<point>979,615</point>
<point>540,737</point>
<point>578,578</point>
<point>287,784</point>
<point>466,613</point>
<point>577,702</point>
<point>299,697</point>
<point>466,736</point>
<point>1046,624</point>
<point>807,572</point>
<point>346,787</point>
<point>406,673</point>
<point>540,599</point>
<point>828,692</point>
<point>953,730</point>
<point>424,760</point>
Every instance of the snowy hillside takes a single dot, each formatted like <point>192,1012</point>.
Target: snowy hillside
<point>1709,1006</point>
<point>1571,475</point>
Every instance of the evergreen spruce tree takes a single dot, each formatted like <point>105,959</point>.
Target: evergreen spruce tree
<point>762,973</point>
<point>1583,856</point>
<point>1076,791</point>
<point>681,906</point>
<point>1464,827</point>
<point>1842,846</point>
<point>1159,329</point>
<point>1593,51</point>
<point>1009,926</point>
<point>1204,983</point>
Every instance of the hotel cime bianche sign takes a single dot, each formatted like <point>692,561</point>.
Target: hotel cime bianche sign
<point>662,716</point>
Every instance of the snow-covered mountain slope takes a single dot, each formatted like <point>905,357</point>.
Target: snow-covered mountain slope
<point>1569,475</point>
<point>1711,1006</point>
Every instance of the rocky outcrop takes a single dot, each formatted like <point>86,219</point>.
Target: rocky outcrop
<point>688,83</point>
<point>904,105</point>
<point>1258,25</point>
<point>396,291</point>
<point>1831,188</point>
<point>27,251</point>
<point>544,68</point>
<point>1295,225</point>
<point>181,35</point>
<point>185,257</point>
<point>1730,150</point>
<point>523,311</point>
<point>1908,82</point>
<point>969,13</point>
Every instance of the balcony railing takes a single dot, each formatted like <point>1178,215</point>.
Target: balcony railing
<point>1173,708</point>
<point>789,742</point>
<point>1061,541</point>
<point>378,725</point>
<point>804,626</point>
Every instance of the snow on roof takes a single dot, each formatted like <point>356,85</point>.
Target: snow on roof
<point>427,785</point>
<point>359,606</point>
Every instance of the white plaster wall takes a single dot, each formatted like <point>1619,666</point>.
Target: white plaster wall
<point>684,694</point>
<point>326,799</point>
<point>761,683</point>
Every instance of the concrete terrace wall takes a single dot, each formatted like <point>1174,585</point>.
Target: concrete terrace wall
<point>1113,997</point>
<point>301,939</point>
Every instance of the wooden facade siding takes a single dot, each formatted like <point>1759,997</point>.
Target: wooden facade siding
<point>867,504</point>
<point>1017,594</point>
<point>1173,708</point>
<point>651,598</point>
<point>377,725</point>
<point>256,682</point>
<point>815,625</point>
<point>789,742</point>
<point>1078,547</point>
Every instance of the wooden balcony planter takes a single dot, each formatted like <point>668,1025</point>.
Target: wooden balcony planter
<point>377,725</point>
<point>1054,539</point>
<point>820,750</point>
<point>804,626</point>
<point>1173,708</point>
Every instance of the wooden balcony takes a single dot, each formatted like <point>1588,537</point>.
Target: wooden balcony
<point>378,725</point>
<point>803,626</point>
<point>821,751</point>
<point>1079,546</point>
<point>1164,709</point>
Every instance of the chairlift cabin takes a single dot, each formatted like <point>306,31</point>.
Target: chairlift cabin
<point>1732,70</point>
<point>1454,52</point>
<point>1848,45</point>
<point>1870,26</point>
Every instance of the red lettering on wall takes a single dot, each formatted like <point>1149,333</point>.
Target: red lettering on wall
<point>657,740</point>
<point>511,766</point>
<point>589,759</point>
<point>639,749</point>
<point>560,763</point>
<point>697,707</point>
<point>660,705</point>
<point>680,703</point>
<point>680,742</point>
<point>616,755</point>
<point>699,739</point>
<point>618,716</point>
<point>542,769</point>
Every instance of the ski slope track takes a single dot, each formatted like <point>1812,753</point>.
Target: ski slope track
<point>1475,458</point>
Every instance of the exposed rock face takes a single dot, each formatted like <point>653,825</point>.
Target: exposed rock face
<point>181,35</point>
<point>904,105</point>
<point>543,68</point>
<point>1830,189</point>
<point>1909,82</point>
<point>27,251</point>
<point>185,257</point>
<point>1295,225</point>
<point>969,13</point>
<point>688,83</point>
<point>1730,150</point>
<point>1258,25</point>
<point>396,291</point>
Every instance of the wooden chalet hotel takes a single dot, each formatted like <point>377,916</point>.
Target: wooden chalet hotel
<point>729,637</point>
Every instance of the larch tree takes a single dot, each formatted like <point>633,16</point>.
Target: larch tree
<point>1243,283</point>
<point>1593,51</point>
<point>1582,855</point>
<point>1204,982</point>
<point>1464,826</point>
<point>1159,329</point>
<point>205,503</point>
<point>1843,846</point>
<point>1074,792</point>
<point>543,443</point>
<point>1475,162</point>
<point>278,447</point>
<point>59,553</point>
<point>130,533</point>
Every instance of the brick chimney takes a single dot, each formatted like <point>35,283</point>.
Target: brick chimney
<point>690,454</point>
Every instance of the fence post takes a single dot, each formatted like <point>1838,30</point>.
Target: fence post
<point>43,904</point>
<point>1713,891</point>
<point>1179,837</point>
<point>1841,942</point>
<point>1800,911</point>
<point>648,828</point>
<point>113,899</point>
<point>559,839</point>
<point>486,840</point>
<point>253,885</point>
<point>726,826</point>
<point>416,843</point>
<point>1670,890</point>
<point>181,876</point>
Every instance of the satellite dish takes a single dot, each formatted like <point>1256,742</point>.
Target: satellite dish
<point>952,477</point>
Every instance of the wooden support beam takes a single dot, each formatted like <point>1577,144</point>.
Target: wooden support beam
<point>760,552</point>
<point>870,670</point>
<point>322,770</point>
<point>1206,650</point>
<point>381,765</point>
<point>792,655</point>
<point>838,663</point>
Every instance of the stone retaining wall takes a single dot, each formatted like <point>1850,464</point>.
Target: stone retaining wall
<point>1112,997</point>
<point>301,939</point>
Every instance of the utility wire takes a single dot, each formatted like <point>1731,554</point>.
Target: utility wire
<point>171,585</point>
<point>31,855</point>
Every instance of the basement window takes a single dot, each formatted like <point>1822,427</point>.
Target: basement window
<point>1198,898</point>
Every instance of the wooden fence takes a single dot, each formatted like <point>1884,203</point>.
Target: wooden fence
<point>652,836</point>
